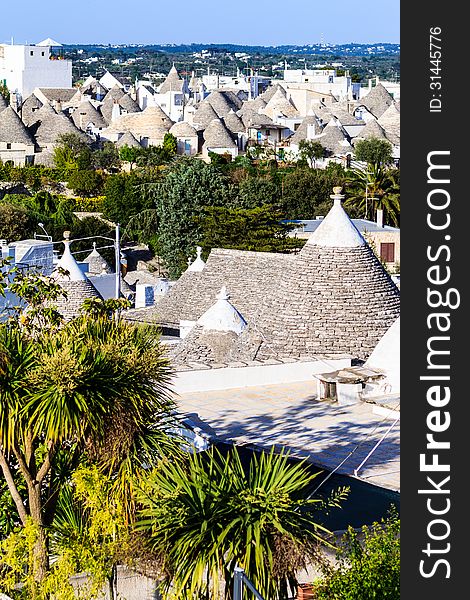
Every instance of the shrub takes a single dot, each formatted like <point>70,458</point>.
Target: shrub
<point>367,569</point>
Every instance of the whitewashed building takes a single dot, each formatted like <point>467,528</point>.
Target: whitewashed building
<point>26,67</point>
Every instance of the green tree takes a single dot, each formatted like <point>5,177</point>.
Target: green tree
<point>94,389</point>
<point>208,514</point>
<point>311,151</point>
<point>368,564</point>
<point>374,151</point>
<point>16,223</point>
<point>188,186</point>
<point>107,157</point>
<point>125,196</point>
<point>170,144</point>
<point>85,183</point>
<point>259,229</point>
<point>383,192</point>
<point>72,152</point>
<point>257,191</point>
<point>129,154</point>
<point>306,192</point>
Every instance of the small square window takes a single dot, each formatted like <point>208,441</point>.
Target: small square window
<point>43,53</point>
<point>8,146</point>
<point>31,53</point>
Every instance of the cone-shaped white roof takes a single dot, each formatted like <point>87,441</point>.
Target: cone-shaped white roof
<point>198,264</point>
<point>222,316</point>
<point>68,263</point>
<point>336,229</point>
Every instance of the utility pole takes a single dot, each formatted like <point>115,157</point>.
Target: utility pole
<point>117,247</point>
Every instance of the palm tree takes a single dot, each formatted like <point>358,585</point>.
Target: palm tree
<point>376,184</point>
<point>209,513</point>
<point>96,389</point>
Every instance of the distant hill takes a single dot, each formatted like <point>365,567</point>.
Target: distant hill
<point>350,49</point>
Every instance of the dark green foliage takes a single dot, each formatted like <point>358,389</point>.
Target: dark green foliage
<point>125,196</point>
<point>72,153</point>
<point>170,144</point>
<point>188,186</point>
<point>15,222</point>
<point>107,157</point>
<point>374,151</point>
<point>311,151</point>
<point>306,192</point>
<point>368,568</point>
<point>208,513</point>
<point>85,183</point>
<point>256,191</point>
<point>259,229</point>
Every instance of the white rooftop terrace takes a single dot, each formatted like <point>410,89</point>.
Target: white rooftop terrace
<point>290,415</point>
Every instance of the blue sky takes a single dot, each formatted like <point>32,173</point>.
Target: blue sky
<point>259,22</point>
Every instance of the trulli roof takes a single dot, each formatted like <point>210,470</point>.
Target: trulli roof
<point>333,297</point>
<point>280,104</point>
<point>173,82</point>
<point>96,263</point>
<point>151,122</point>
<point>183,129</point>
<point>371,130</point>
<point>128,139</point>
<point>377,100</point>
<point>272,89</point>
<point>216,135</point>
<point>12,129</point>
<point>50,125</point>
<point>74,282</point>
<point>204,114</point>
<point>302,131</point>
<point>29,110</point>
<point>128,104</point>
<point>233,122</point>
<point>390,121</point>
<point>85,114</point>
<point>334,139</point>
<point>219,103</point>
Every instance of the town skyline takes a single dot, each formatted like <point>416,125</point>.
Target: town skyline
<point>246,24</point>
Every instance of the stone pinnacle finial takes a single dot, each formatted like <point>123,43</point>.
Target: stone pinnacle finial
<point>337,196</point>
<point>223,295</point>
<point>67,235</point>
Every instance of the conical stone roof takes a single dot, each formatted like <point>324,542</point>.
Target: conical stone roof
<point>216,135</point>
<point>337,297</point>
<point>29,110</point>
<point>280,104</point>
<point>183,129</point>
<point>333,138</point>
<point>204,114</point>
<point>151,122</point>
<point>96,263</point>
<point>173,82</point>
<point>219,103</point>
<point>377,100</point>
<point>75,284</point>
<point>233,122</point>
<point>128,104</point>
<point>272,89</point>
<point>309,122</point>
<point>390,121</point>
<point>128,139</point>
<point>12,129</point>
<point>51,125</point>
<point>85,114</point>
<point>371,130</point>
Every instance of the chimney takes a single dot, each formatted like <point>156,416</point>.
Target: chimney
<point>380,217</point>
<point>14,101</point>
<point>116,112</point>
